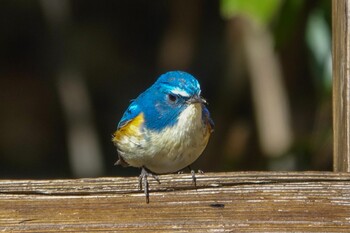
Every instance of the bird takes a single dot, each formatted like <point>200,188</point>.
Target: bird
<point>165,129</point>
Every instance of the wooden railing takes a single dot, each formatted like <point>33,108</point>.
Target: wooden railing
<point>237,202</point>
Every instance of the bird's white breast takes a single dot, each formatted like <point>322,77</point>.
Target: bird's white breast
<point>171,149</point>
<point>176,147</point>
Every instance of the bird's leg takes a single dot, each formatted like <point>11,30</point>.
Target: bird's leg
<point>194,179</point>
<point>193,173</point>
<point>143,181</point>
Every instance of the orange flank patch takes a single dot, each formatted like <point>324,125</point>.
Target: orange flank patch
<point>130,129</point>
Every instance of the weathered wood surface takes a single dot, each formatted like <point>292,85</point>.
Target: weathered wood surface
<point>238,202</point>
<point>341,84</point>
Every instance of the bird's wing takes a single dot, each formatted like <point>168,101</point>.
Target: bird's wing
<point>207,119</point>
<point>131,113</point>
<point>129,127</point>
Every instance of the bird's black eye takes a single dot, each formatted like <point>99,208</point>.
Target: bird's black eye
<point>172,98</point>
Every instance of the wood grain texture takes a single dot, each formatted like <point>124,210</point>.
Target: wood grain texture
<point>341,84</point>
<point>236,202</point>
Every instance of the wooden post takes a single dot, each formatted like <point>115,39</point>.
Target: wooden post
<point>341,84</point>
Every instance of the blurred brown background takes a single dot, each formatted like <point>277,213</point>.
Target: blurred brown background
<point>69,68</point>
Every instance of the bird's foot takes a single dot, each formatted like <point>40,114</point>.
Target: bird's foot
<point>143,181</point>
<point>194,178</point>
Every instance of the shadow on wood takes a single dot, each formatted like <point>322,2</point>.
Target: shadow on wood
<point>245,202</point>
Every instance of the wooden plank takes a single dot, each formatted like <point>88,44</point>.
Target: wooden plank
<point>238,202</point>
<point>341,84</point>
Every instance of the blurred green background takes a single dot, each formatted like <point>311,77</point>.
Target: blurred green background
<point>68,70</point>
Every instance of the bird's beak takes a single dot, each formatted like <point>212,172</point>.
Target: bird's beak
<point>196,99</point>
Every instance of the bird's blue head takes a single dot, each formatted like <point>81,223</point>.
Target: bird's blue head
<point>163,102</point>
<point>179,83</point>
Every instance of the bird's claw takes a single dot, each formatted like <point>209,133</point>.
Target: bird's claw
<point>194,178</point>
<point>143,181</point>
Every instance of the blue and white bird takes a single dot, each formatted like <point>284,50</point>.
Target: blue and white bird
<point>165,129</point>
